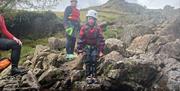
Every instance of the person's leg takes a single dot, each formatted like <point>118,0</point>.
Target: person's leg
<point>88,70</point>
<point>68,43</point>
<point>91,66</point>
<point>94,54</point>
<point>73,45</point>
<point>94,64</point>
<point>6,44</point>
<point>87,62</point>
<point>73,38</point>
<point>75,35</point>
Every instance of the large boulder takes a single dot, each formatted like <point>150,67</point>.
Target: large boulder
<point>131,72</point>
<point>172,49</point>
<point>50,76</point>
<point>169,79</point>
<point>113,56</point>
<point>140,44</point>
<point>56,44</point>
<point>155,47</point>
<point>113,44</point>
<point>132,31</point>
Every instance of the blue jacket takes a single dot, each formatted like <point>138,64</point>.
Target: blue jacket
<point>72,19</point>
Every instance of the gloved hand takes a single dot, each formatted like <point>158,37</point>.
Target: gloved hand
<point>80,52</point>
<point>101,54</point>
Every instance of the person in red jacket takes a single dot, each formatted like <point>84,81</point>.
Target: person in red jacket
<point>11,43</point>
<point>72,27</point>
<point>91,42</point>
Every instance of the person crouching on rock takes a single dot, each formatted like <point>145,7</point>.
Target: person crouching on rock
<point>91,43</point>
<point>11,43</point>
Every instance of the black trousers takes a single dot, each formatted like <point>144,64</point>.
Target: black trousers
<point>6,44</point>
<point>90,60</point>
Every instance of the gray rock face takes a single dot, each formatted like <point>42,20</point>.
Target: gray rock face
<point>172,49</point>
<point>113,70</point>
<point>22,83</point>
<point>158,71</point>
<point>132,31</point>
<point>50,76</point>
<point>114,56</point>
<point>140,44</point>
<point>172,28</point>
<point>114,44</point>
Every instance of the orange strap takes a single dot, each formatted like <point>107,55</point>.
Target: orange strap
<point>4,63</point>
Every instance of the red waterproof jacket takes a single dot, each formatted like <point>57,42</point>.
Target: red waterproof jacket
<point>91,36</point>
<point>3,28</point>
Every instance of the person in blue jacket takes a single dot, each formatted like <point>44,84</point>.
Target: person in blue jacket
<point>72,27</point>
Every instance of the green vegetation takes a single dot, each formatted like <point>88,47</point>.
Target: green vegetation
<point>113,32</point>
<point>34,25</point>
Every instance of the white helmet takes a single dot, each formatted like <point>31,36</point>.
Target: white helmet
<point>92,13</point>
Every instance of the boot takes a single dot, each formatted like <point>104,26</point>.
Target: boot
<point>17,71</point>
<point>70,57</point>
<point>94,79</point>
<point>87,70</point>
<point>89,80</point>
